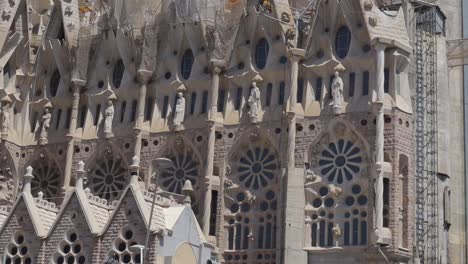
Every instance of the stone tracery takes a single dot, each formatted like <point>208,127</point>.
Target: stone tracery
<point>46,177</point>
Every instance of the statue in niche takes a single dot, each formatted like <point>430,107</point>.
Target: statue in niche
<point>179,111</point>
<point>337,92</point>
<point>46,117</point>
<point>254,101</point>
<point>5,119</point>
<point>109,117</point>
<point>336,234</point>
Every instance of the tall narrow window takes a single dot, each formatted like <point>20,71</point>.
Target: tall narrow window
<point>122,111</point>
<point>386,200</point>
<point>59,116</point>
<point>300,90</point>
<point>342,41</point>
<point>165,106</point>
<point>352,80</point>
<point>204,106</point>
<point>281,93</point>
<point>83,112</point>
<point>149,108</point>
<point>34,121</point>
<point>97,114</point>
<point>318,89</point>
<point>134,108</point>
<point>186,64</point>
<point>386,80</point>
<point>261,53</point>
<point>69,113</point>
<point>193,101</point>
<point>118,73</point>
<point>238,102</point>
<point>213,213</point>
<point>54,83</point>
<point>269,94</point>
<point>365,83</point>
<point>221,97</point>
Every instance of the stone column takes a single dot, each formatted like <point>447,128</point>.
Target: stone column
<point>214,93</point>
<point>143,77</point>
<point>379,137</point>
<point>76,84</point>
<point>295,55</point>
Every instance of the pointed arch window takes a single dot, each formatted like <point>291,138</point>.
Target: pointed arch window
<point>118,73</point>
<point>186,64</point>
<point>342,41</point>
<point>54,83</point>
<point>261,53</point>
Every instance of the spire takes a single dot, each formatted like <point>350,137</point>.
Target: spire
<point>27,178</point>
<point>187,190</point>
<point>135,170</point>
<point>80,175</point>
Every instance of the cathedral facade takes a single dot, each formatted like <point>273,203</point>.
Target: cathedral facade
<point>293,122</point>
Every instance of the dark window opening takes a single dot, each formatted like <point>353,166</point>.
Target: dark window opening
<point>318,89</point>
<point>54,83</point>
<point>213,213</point>
<point>97,114</point>
<point>69,113</point>
<point>365,83</point>
<point>34,121</point>
<point>165,106</point>
<point>149,108</point>
<point>300,90</point>
<point>204,106</point>
<point>193,101</point>
<point>134,108</point>
<point>59,116</point>
<point>122,111</point>
<point>261,53</point>
<point>269,94</point>
<point>186,64</point>
<point>386,80</point>
<point>118,73</point>
<point>238,102</point>
<point>352,80</point>
<point>221,97</point>
<point>83,111</point>
<point>386,200</point>
<point>342,41</point>
<point>281,93</point>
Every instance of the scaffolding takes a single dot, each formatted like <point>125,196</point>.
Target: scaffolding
<point>425,101</point>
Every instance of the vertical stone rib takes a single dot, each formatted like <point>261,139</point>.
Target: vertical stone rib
<point>71,133</point>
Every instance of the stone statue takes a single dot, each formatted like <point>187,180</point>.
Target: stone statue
<point>337,92</point>
<point>254,101</point>
<point>5,119</point>
<point>179,110</point>
<point>336,234</point>
<point>109,117</point>
<point>335,191</point>
<point>46,117</point>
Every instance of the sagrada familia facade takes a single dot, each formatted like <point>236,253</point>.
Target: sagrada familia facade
<point>290,129</point>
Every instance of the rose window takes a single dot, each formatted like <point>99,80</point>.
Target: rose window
<point>46,178</point>
<point>121,251</point>
<point>257,167</point>
<point>183,168</point>
<point>17,250</point>
<point>340,160</point>
<point>70,250</point>
<point>108,178</point>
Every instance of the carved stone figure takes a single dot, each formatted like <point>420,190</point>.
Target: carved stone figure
<point>335,191</point>
<point>109,117</point>
<point>336,234</point>
<point>337,92</point>
<point>46,117</point>
<point>254,101</point>
<point>5,119</point>
<point>179,111</point>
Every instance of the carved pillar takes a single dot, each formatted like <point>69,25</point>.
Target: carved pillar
<point>71,132</point>
<point>143,77</point>
<point>295,55</point>
<point>379,146</point>
<point>214,93</point>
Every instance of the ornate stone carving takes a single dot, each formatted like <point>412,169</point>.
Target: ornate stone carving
<point>109,117</point>
<point>46,118</point>
<point>337,92</point>
<point>254,102</point>
<point>179,111</point>
<point>5,119</point>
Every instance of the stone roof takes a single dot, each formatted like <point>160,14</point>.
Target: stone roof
<point>4,210</point>
<point>101,210</point>
<point>47,212</point>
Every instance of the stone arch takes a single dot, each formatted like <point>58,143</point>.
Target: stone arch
<point>47,174</point>
<point>251,196</point>
<point>338,187</point>
<point>184,255</point>
<point>8,174</point>
<point>107,171</point>
<point>188,165</point>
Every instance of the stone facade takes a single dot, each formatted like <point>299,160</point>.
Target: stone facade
<point>283,174</point>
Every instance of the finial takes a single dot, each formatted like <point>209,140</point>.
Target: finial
<point>27,178</point>
<point>80,175</point>
<point>40,195</point>
<point>135,170</point>
<point>187,190</point>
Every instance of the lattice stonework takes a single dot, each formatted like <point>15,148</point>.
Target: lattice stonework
<point>46,177</point>
<point>337,194</point>
<point>70,249</point>
<point>17,251</point>
<point>121,252</point>
<point>251,200</point>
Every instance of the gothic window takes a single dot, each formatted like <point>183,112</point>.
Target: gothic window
<point>54,83</point>
<point>213,213</point>
<point>108,175</point>
<point>118,73</point>
<point>386,201</point>
<point>193,102</point>
<point>386,80</point>
<point>149,108</point>
<point>269,94</point>
<point>57,121</point>
<point>352,80</point>
<point>251,197</point>
<point>121,251</point>
<point>336,188</point>
<point>221,100</point>
<point>281,93</point>
<point>134,108</point>
<point>365,83</point>
<point>165,106</point>
<point>300,90</point>
<point>97,114</point>
<point>67,122</point>
<point>34,121</point>
<point>261,53</point>
<point>17,250</point>
<point>83,113</point>
<point>186,64</point>
<point>204,102</point>
<point>184,167</point>
<point>342,41</point>
<point>122,111</point>
<point>70,249</point>
<point>238,102</point>
<point>318,89</point>
<point>46,177</point>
